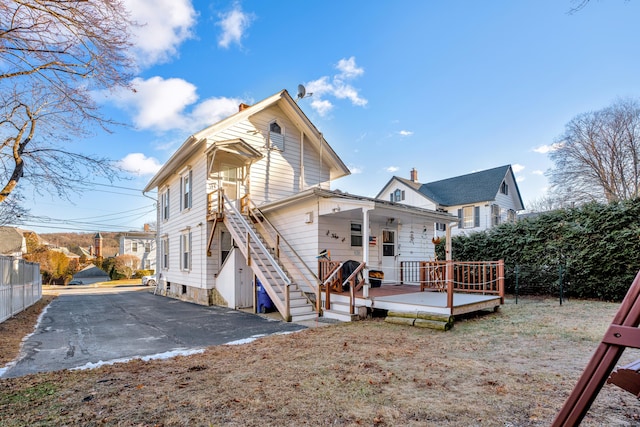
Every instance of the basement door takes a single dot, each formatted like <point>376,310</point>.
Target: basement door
<point>389,250</point>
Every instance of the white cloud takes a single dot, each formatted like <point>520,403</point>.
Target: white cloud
<point>392,169</point>
<point>234,25</point>
<point>336,87</point>
<point>405,133</point>
<point>544,149</point>
<point>162,105</point>
<point>538,172</point>
<point>163,26</point>
<point>139,164</point>
<point>355,169</point>
<point>517,168</point>
<point>348,68</point>
<point>520,178</point>
<point>322,106</point>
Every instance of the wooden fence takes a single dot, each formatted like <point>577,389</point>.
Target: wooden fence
<point>20,286</point>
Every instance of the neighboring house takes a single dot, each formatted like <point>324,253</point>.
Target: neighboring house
<point>70,255</point>
<point>249,198</point>
<point>90,274</point>
<point>141,244</point>
<point>12,242</point>
<point>480,200</point>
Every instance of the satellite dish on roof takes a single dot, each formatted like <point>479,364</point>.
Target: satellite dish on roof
<point>301,91</point>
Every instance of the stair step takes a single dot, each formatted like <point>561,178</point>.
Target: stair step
<point>301,317</point>
<point>339,315</point>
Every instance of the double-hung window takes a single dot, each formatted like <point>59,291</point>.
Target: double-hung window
<point>164,249</point>
<point>356,234</point>
<point>164,203</point>
<point>469,217</point>
<point>495,214</point>
<point>185,250</point>
<point>186,190</point>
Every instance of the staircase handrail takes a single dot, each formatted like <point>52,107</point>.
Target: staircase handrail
<point>263,249</point>
<point>352,287</point>
<point>251,207</point>
<point>327,288</point>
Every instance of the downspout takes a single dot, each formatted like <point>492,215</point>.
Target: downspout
<point>158,208</point>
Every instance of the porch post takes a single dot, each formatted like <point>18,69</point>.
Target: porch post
<point>449,269</point>
<point>365,244</point>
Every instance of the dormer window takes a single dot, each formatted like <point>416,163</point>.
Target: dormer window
<point>276,136</point>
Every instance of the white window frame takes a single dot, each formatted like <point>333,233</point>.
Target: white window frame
<point>185,250</point>
<point>356,234</point>
<point>134,247</point>
<point>467,217</point>
<point>186,190</point>
<point>164,248</point>
<point>496,214</point>
<point>164,203</point>
<point>397,195</point>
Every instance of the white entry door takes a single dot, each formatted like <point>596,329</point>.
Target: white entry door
<point>389,249</point>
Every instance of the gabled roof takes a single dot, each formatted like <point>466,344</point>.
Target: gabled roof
<point>198,140</point>
<point>471,188</point>
<point>11,240</point>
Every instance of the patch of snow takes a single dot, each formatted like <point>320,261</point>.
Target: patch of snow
<point>166,355</point>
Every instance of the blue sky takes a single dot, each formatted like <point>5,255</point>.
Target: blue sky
<point>446,87</point>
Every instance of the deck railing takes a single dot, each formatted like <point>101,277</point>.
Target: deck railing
<point>478,277</point>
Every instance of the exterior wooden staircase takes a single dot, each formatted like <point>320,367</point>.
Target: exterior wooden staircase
<point>290,300</point>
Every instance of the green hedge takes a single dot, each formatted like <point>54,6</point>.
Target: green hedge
<point>597,246</point>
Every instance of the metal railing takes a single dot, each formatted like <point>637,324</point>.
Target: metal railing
<point>20,286</point>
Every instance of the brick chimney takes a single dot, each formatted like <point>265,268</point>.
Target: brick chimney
<point>414,175</point>
<point>146,228</point>
<point>243,106</point>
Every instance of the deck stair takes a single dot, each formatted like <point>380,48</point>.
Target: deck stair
<point>272,274</point>
<point>340,309</point>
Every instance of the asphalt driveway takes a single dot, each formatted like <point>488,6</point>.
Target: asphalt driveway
<point>86,329</point>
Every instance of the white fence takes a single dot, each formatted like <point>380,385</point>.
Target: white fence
<point>20,285</point>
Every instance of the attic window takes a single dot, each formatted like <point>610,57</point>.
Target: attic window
<point>397,195</point>
<point>276,136</point>
<point>504,188</point>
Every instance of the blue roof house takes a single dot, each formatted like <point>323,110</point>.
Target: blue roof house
<point>480,200</point>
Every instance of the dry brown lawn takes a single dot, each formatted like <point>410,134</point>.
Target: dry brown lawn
<point>512,368</point>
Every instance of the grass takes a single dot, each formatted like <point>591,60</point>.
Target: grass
<point>512,368</point>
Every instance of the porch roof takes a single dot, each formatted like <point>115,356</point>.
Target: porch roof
<point>350,202</point>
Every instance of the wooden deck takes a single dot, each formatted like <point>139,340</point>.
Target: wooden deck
<point>409,298</point>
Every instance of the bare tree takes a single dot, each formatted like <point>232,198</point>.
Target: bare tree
<point>53,55</point>
<point>598,156</point>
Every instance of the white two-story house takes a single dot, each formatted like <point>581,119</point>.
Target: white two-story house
<point>249,199</point>
<point>142,244</point>
<point>480,200</point>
